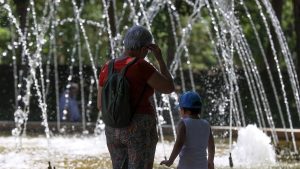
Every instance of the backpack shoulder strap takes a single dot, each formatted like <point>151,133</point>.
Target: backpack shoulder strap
<point>111,67</point>
<point>124,70</point>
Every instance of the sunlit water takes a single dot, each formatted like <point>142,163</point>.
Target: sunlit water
<point>253,143</point>
<point>252,150</point>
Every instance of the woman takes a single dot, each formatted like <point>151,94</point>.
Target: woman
<point>134,146</point>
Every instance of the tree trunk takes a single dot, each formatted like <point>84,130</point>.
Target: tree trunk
<point>297,30</point>
<point>277,6</point>
<point>22,12</point>
<point>112,23</point>
<point>111,16</point>
<point>21,7</point>
<point>171,41</point>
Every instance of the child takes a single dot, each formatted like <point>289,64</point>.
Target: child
<point>194,136</point>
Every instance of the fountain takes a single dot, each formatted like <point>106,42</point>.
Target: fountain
<point>43,26</point>
<point>252,142</point>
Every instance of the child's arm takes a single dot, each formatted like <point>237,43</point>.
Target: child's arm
<point>178,144</point>
<point>211,151</point>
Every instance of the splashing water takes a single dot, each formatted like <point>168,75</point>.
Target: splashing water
<point>253,148</point>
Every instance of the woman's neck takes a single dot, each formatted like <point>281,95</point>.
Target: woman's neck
<point>132,53</point>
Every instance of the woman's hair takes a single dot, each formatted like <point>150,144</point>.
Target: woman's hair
<point>137,37</point>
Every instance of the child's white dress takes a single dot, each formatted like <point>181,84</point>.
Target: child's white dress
<point>193,153</point>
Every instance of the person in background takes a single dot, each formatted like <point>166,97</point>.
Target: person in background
<point>134,146</point>
<point>68,105</point>
<point>194,136</point>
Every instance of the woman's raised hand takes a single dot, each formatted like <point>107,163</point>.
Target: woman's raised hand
<point>156,51</point>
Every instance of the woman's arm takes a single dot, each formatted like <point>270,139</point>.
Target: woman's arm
<point>161,81</point>
<point>99,98</point>
<point>211,151</point>
<point>177,146</point>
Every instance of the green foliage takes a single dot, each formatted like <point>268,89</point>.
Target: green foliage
<point>4,36</point>
<point>201,48</point>
<point>287,22</point>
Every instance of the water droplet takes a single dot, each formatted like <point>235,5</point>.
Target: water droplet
<point>65,112</point>
<point>9,47</point>
<point>4,53</point>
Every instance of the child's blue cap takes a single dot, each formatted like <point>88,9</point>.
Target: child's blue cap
<point>190,100</point>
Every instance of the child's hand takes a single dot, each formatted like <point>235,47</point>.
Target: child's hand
<point>211,165</point>
<point>166,162</point>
